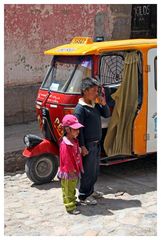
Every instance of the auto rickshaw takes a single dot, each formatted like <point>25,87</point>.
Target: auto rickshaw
<point>127,71</point>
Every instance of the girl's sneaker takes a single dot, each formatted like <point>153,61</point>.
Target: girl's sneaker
<point>74,212</point>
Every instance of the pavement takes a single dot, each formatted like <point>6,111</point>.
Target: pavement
<point>13,135</point>
<point>128,206</point>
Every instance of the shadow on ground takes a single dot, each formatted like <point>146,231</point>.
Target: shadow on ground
<point>105,205</point>
<point>47,186</point>
<point>136,177</point>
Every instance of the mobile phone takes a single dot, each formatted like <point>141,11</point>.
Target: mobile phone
<point>101,92</point>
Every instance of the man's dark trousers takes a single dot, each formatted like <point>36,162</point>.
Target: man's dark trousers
<point>91,170</point>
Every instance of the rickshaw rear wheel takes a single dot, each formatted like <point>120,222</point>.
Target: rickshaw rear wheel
<point>41,169</point>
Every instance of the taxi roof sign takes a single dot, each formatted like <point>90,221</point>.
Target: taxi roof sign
<point>82,40</point>
<point>85,46</point>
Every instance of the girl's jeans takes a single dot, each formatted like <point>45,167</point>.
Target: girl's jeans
<point>91,170</point>
<point>69,191</point>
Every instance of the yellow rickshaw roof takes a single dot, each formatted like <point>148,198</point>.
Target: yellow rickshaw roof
<point>85,46</point>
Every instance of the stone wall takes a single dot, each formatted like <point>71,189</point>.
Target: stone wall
<point>30,29</point>
<point>19,103</point>
<point>121,14</point>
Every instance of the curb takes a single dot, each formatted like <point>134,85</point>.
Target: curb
<point>14,161</point>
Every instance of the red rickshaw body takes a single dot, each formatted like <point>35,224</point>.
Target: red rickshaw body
<point>58,105</point>
<point>45,146</point>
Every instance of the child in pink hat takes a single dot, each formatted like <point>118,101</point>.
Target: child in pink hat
<point>70,162</point>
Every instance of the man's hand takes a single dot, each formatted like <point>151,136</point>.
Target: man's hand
<point>101,100</point>
<point>84,151</point>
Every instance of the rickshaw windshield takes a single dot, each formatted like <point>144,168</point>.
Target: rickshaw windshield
<point>66,73</point>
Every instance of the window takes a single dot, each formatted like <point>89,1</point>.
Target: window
<point>66,74</point>
<point>111,68</point>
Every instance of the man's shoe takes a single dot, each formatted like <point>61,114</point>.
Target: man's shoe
<point>97,194</point>
<point>89,201</point>
<point>74,212</point>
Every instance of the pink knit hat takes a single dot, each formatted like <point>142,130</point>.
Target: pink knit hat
<point>70,120</point>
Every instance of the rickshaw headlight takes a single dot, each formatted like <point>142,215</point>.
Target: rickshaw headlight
<point>31,140</point>
<point>26,141</point>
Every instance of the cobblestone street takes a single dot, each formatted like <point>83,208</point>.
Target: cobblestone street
<point>128,207</point>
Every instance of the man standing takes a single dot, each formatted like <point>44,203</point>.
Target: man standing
<point>89,114</point>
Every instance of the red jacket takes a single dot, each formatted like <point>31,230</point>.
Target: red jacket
<point>70,159</point>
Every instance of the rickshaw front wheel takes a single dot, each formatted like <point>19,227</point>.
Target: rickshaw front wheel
<point>41,169</point>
